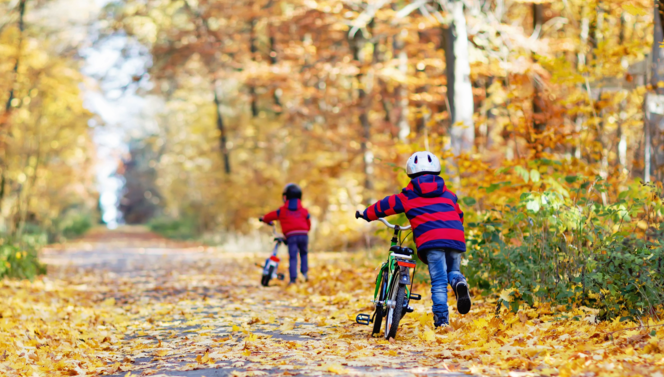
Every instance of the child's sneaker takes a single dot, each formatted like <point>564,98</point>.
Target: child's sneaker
<point>438,322</point>
<point>463,297</point>
<point>306,278</point>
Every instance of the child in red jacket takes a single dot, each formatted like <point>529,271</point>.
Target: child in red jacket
<point>295,224</point>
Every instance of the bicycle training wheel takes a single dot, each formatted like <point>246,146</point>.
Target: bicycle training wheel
<point>398,295</point>
<point>265,280</point>
<point>380,310</point>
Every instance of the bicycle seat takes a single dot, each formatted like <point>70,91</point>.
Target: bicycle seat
<point>401,250</point>
<point>408,251</point>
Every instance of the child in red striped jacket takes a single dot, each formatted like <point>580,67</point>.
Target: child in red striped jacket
<point>437,223</point>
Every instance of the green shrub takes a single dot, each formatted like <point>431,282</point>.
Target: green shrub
<point>75,225</point>
<point>180,229</point>
<point>573,250</point>
<point>33,235</point>
<point>19,262</point>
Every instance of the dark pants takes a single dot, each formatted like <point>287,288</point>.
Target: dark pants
<point>298,242</point>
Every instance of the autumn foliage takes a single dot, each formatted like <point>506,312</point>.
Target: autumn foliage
<point>547,115</point>
<point>46,151</point>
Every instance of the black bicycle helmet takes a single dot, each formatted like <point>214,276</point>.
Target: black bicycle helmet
<point>292,191</point>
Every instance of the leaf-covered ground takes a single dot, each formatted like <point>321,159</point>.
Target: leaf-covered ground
<point>131,304</point>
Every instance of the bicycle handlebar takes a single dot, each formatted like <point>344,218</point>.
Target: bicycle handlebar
<point>393,226</point>
<point>358,215</point>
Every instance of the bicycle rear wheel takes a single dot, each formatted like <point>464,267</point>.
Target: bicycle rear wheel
<point>265,280</point>
<point>397,296</point>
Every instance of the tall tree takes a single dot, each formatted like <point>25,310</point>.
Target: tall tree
<point>253,51</point>
<point>459,86</point>
<point>358,44</point>
<point>654,124</point>
<point>210,40</point>
<point>539,123</point>
<point>273,62</point>
<point>5,132</point>
<point>401,90</point>
<point>223,142</point>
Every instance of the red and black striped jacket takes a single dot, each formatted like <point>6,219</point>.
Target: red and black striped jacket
<point>293,218</point>
<point>432,210</point>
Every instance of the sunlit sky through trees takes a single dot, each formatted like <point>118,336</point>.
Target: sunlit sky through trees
<point>115,101</point>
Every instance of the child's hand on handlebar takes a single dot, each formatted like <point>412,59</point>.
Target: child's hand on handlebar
<point>358,215</point>
<point>263,221</point>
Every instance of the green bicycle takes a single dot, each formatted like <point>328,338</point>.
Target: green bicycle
<point>392,293</point>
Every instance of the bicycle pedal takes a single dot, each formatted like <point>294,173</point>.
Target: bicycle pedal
<point>363,319</point>
<point>281,276</point>
<point>415,296</point>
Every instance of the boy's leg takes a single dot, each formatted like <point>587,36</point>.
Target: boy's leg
<point>303,243</point>
<point>438,273</point>
<point>292,261</point>
<point>457,280</point>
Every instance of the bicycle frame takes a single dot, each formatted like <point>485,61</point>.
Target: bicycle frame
<point>391,265</point>
<point>273,260</point>
<point>272,263</point>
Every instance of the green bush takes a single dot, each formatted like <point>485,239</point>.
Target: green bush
<point>19,262</point>
<point>573,250</point>
<point>180,229</point>
<point>75,226</point>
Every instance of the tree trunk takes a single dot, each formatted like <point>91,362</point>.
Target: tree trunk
<point>21,28</point>
<point>580,66</point>
<point>654,124</point>
<point>401,90</point>
<point>622,144</point>
<point>424,111</point>
<point>4,119</point>
<point>357,45</point>
<point>253,50</point>
<point>539,123</point>
<point>273,61</point>
<point>459,88</point>
<point>222,134</point>
<point>379,51</point>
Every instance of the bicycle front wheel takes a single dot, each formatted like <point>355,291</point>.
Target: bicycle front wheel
<point>397,298</point>
<point>380,308</point>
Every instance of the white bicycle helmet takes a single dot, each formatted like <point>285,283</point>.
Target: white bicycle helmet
<point>422,163</point>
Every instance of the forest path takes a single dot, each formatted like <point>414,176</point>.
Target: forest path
<point>194,311</point>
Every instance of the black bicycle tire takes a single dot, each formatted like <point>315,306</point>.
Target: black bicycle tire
<point>378,319</point>
<point>398,308</point>
<point>265,280</point>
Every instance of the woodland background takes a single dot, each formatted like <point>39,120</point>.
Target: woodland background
<point>547,115</point>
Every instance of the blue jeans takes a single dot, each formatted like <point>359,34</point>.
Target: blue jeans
<point>297,243</point>
<point>444,268</point>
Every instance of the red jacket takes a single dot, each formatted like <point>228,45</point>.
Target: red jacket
<point>294,218</point>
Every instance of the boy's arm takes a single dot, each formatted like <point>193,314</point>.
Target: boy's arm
<point>270,217</point>
<point>458,209</point>
<point>390,205</point>
<point>308,217</point>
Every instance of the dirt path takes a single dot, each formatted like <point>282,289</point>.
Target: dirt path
<point>191,311</point>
